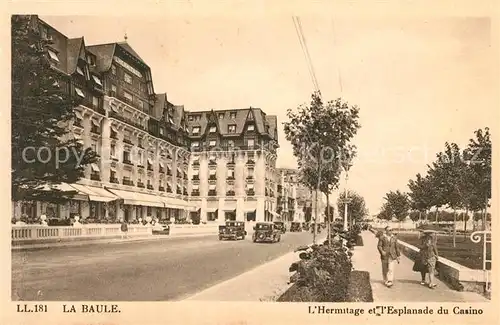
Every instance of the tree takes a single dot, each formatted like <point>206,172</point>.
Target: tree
<point>320,135</point>
<point>397,204</point>
<point>41,113</point>
<point>420,195</point>
<point>385,213</point>
<point>356,208</point>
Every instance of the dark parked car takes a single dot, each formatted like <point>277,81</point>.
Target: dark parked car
<point>281,226</point>
<point>295,227</point>
<point>266,232</point>
<point>305,226</point>
<point>232,230</point>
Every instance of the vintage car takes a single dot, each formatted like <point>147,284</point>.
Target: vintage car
<point>232,230</point>
<point>161,229</point>
<point>281,226</point>
<point>266,232</point>
<point>295,227</point>
<point>305,226</point>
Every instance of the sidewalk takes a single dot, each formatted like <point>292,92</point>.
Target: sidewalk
<point>102,241</point>
<point>407,287</point>
<point>264,283</point>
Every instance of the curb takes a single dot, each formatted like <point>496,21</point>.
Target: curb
<point>104,241</point>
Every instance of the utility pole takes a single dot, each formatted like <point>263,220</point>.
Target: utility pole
<point>345,202</point>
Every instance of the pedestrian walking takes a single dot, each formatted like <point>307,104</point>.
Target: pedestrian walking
<point>124,229</point>
<point>427,259</point>
<point>391,250</point>
<point>381,246</point>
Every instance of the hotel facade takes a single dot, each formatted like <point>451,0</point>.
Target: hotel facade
<point>155,158</point>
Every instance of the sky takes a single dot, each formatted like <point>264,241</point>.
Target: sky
<point>418,82</point>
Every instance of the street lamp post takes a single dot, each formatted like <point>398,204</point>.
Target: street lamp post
<point>345,201</point>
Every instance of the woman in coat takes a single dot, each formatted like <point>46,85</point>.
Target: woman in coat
<point>426,261</point>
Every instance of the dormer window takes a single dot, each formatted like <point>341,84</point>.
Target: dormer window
<point>79,92</point>
<point>232,115</point>
<point>195,144</point>
<point>196,130</point>
<point>79,71</point>
<point>97,80</point>
<point>231,128</point>
<point>213,129</point>
<point>221,116</point>
<point>161,131</point>
<point>113,69</point>
<point>212,143</point>
<point>250,127</point>
<point>91,60</point>
<point>44,32</point>
<point>53,55</point>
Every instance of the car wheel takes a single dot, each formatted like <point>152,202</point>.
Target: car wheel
<point>255,240</point>
<point>220,238</point>
<point>243,237</point>
<point>279,238</point>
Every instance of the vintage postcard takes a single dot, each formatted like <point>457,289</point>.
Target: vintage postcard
<point>187,163</point>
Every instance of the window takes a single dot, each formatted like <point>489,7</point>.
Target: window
<point>93,146</point>
<point>195,187</point>
<point>140,158</point>
<point>113,69</point>
<point>250,186</point>
<point>221,116</point>
<point>213,129</point>
<point>127,96</point>
<point>53,55</point>
<point>230,173</point>
<point>190,118</point>
<point>79,71</point>
<point>91,59</point>
<point>79,92</point>
<point>232,115</point>
<point>97,80</point>
<point>113,88</point>
<point>250,143</point>
<point>196,130</point>
<point>212,143</point>
<point>95,101</point>
<point>140,103</point>
<point>231,128</point>
<point>195,144</point>
<point>230,143</point>
<point>113,150</point>
<point>127,78</point>
<point>161,131</point>
<point>251,127</point>
<point>212,172</point>
<point>211,187</point>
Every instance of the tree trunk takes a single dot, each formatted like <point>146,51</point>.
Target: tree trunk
<point>437,215</point>
<point>454,227</point>
<point>466,219</point>
<point>328,218</point>
<point>316,203</point>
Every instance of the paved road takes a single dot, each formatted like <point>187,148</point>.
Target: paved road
<point>169,269</point>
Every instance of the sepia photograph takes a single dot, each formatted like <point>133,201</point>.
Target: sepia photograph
<point>319,160</point>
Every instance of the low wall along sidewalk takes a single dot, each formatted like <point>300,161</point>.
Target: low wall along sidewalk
<point>38,234</point>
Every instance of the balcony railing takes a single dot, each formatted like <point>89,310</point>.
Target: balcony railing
<point>169,189</point>
<point>249,177</point>
<point>150,167</point>
<point>126,140</point>
<point>230,178</point>
<point>230,193</point>
<point>150,187</point>
<point>114,180</point>
<point>162,170</point>
<point>161,189</point>
<point>212,163</point>
<point>185,192</point>
<point>126,120</point>
<point>196,163</point>
<point>77,123</point>
<point>127,161</point>
<point>212,193</point>
<point>169,172</point>
<point>127,182</point>
<point>179,191</point>
<point>195,178</point>
<point>195,193</point>
<point>231,163</point>
<point>250,162</point>
<point>250,192</point>
<point>113,135</point>
<point>140,184</point>
<point>95,177</point>
<point>212,177</point>
<point>95,130</point>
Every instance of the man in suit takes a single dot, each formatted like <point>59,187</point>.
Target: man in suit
<point>392,255</point>
<point>383,244</point>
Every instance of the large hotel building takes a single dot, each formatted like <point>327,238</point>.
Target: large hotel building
<point>156,158</point>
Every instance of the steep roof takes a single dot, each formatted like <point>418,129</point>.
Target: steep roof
<point>73,49</point>
<point>259,118</point>
<point>126,46</point>
<point>160,102</point>
<point>104,55</point>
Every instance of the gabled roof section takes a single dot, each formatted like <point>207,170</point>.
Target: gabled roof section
<point>73,51</point>
<point>272,121</point>
<point>126,46</point>
<point>104,55</point>
<point>159,106</point>
<point>212,119</point>
<point>178,115</point>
